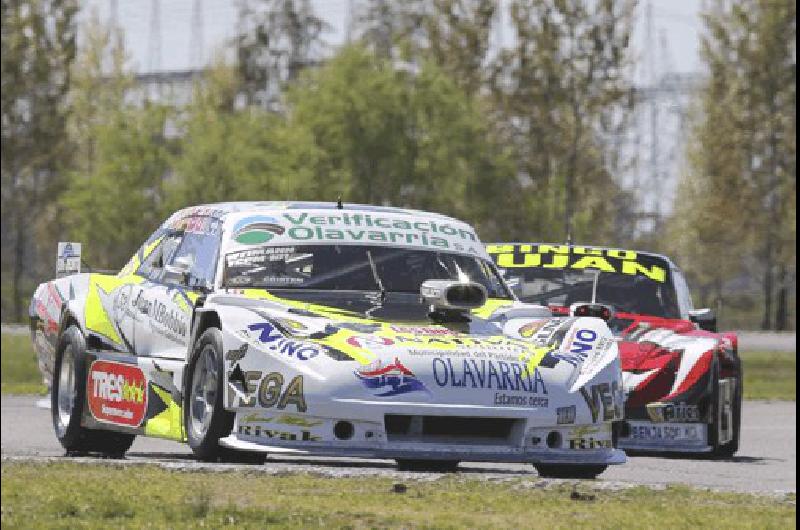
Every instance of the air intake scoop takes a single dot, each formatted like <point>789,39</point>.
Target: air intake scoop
<point>451,300</point>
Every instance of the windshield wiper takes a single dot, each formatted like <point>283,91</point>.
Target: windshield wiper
<point>379,283</point>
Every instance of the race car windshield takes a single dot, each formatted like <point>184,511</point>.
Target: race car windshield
<point>562,287</point>
<point>354,268</point>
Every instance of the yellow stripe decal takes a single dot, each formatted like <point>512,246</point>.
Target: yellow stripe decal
<point>169,423</point>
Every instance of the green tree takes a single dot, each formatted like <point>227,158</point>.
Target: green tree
<point>389,135</point>
<point>121,156</point>
<point>457,34</point>
<point>38,42</point>
<point>121,201</point>
<point>555,90</point>
<point>739,195</point>
<point>283,38</point>
<point>231,153</point>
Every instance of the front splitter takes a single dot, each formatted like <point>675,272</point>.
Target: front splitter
<point>434,452</point>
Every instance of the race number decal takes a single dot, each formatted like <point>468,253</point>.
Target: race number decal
<point>117,393</point>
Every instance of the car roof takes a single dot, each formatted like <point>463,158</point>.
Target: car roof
<point>592,247</point>
<point>224,209</point>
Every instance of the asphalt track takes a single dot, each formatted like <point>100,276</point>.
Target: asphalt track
<point>766,462</point>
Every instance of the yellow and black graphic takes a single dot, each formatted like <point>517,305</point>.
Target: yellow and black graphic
<point>579,258</point>
<point>165,415</point>
<point>270,392</point>
<point>356,336</point>
<point>103,300</point>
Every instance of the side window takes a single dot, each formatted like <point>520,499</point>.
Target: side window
<point>684,296</point>
<point>153,263</point>
<point>201,249</point>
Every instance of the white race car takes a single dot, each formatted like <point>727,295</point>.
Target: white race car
<point>313,328</point>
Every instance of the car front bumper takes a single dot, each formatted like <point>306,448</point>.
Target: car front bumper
<point>415,436</point>
<point>649,436</point>
<point>432,452</point>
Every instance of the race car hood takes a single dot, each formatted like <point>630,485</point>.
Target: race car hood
<point>663,364</point>
<point>507,353</point>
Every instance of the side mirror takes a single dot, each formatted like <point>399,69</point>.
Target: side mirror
<point>178,270</point>
<point>704,318</point>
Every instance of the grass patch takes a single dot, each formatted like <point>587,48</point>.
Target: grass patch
<point>767,375</point>
<point>20,373</point>
<point>770,375</point>
<point>67,495</point>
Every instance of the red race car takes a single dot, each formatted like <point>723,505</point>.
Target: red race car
<point>682,378</point>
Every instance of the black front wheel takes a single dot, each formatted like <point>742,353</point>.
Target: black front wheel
<point>205,416</point>
<point>68,397</point>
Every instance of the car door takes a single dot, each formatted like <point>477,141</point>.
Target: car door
<point>168,302</point>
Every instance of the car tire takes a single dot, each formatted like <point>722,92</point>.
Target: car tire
<point>729,449</point>
<point>569,471</point>
<point>204,413</point>
<point>438,466</point>
<point>68,397</point>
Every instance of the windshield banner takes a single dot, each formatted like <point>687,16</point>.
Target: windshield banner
<point>579,258</point>
<point>357,227</point>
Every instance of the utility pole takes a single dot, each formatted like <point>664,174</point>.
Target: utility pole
<point>154,44</point>
<point>196,44</point>
<point>113,15</point>
<point>655,184</point>
<point>349,21</point>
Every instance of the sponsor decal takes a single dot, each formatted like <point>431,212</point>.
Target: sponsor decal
<point>487,374</point>
<point>284,419</point>
<point>237,354</point>
<point>552,331</point>
<point>373,228</point>
<point>117,393</point>
<point>366,341</point>
<point>169,322</point>
<point>657,433</point>
<point>277,342</point>
<point>502,399</point>
<point>202,225</point>
<point>581,438</point>
<point>565,415</point>
<point>528,330</point>
<point>579,258</point>
<point>270,392</point>
<point>579,346</point>
<point>390,380</point>
<point>299,421</point>
<point>273,434</point>
<point>673,412</point>
<point>589,443</point>
<point>606,398</point>
<point>255,418</point>
<point>454,342</point>
<point>604,344</point>
<point>256,229</point>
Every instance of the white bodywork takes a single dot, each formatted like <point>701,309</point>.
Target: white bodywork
<point>307,378</point>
